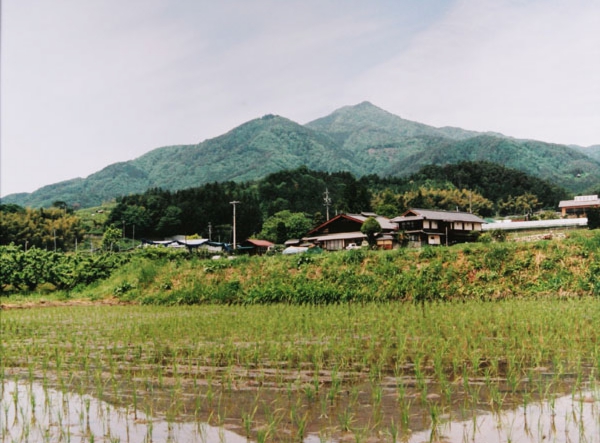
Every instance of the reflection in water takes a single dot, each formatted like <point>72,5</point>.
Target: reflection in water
<point>30,413</point>
<point>564,419</point>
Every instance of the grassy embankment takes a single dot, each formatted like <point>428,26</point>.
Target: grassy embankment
<point>558,268</point>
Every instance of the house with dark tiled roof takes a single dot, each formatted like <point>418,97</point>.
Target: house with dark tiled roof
<point>344,229</point>
<point>432,227</point>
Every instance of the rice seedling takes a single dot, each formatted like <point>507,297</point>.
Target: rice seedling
<point>199,362</point>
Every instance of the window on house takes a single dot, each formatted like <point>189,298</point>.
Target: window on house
<point>411,226</point>
<point>334,245</point>
<point>434,240</point>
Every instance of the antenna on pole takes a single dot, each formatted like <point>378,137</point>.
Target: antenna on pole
<point>327,202</point>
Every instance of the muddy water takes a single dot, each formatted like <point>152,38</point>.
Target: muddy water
<point>564,419</point>
<point>30,412</point>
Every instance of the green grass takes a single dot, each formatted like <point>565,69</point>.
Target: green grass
<point>565,268</point>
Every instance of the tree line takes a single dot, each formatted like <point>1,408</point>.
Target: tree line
<point>288,203</point>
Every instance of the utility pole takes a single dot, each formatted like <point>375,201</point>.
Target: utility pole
<point>209,231</point>
<point>327,202</point>
<point>235,202</point>
<point>470,201</point>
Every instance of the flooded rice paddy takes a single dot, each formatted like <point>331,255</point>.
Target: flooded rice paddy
<point>474,372</point>
<point>34,413</point>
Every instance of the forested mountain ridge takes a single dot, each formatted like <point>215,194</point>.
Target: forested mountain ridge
<point>590,151</point>
<point>361,139</point>
<point>365,124</point>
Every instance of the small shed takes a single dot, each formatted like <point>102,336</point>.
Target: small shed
<point>255,247</point>
<point>385,241</point>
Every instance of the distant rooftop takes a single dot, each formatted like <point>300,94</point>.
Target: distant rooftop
<point>580,201</point>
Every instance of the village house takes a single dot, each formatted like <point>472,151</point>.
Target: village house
<point>432,227</point>
<point>578,206</point>
<point>344,230</point>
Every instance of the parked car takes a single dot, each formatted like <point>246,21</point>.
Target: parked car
<point>352,246</point>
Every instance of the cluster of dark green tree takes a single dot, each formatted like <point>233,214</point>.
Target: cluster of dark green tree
<point>288,203</point>
<point>284,204</point>
<point>484,188</point>
<point>495,182</point>
<point>28,270</point>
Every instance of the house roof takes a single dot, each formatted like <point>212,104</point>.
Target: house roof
<point>338,236</point>
<point>430,214</point>
<point>581,201</point>
<point>260,243</point>
<point>384,222</point>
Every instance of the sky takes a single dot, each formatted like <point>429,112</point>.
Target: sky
<point>84,84</point>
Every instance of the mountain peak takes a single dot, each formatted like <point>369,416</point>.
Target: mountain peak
<point>361,139</point>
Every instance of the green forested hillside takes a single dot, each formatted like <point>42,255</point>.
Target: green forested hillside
<point>365,125</point>
<point>590,151</point>
<point>558,164</point>
<point>362,140</point>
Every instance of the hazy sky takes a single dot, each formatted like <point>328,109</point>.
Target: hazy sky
<point>88,83</point>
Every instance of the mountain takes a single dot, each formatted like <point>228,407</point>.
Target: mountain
<point>591,151</point>
<point>361,139</point>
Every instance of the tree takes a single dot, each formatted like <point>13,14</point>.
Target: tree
<point>43,228</point>
<point>112,234</point>
<point>386,203</point>
<point>170,222</point>
<point>370,228</point>
<point>285,225</point>
<point>593,216</point>
<point>138,217</point>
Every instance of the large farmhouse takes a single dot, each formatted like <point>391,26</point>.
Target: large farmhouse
<point>344,229</point>
<point>432,227</point>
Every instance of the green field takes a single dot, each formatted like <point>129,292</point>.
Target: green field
<point>282,372</point>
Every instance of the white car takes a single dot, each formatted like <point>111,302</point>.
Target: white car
<point>352,246</point>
